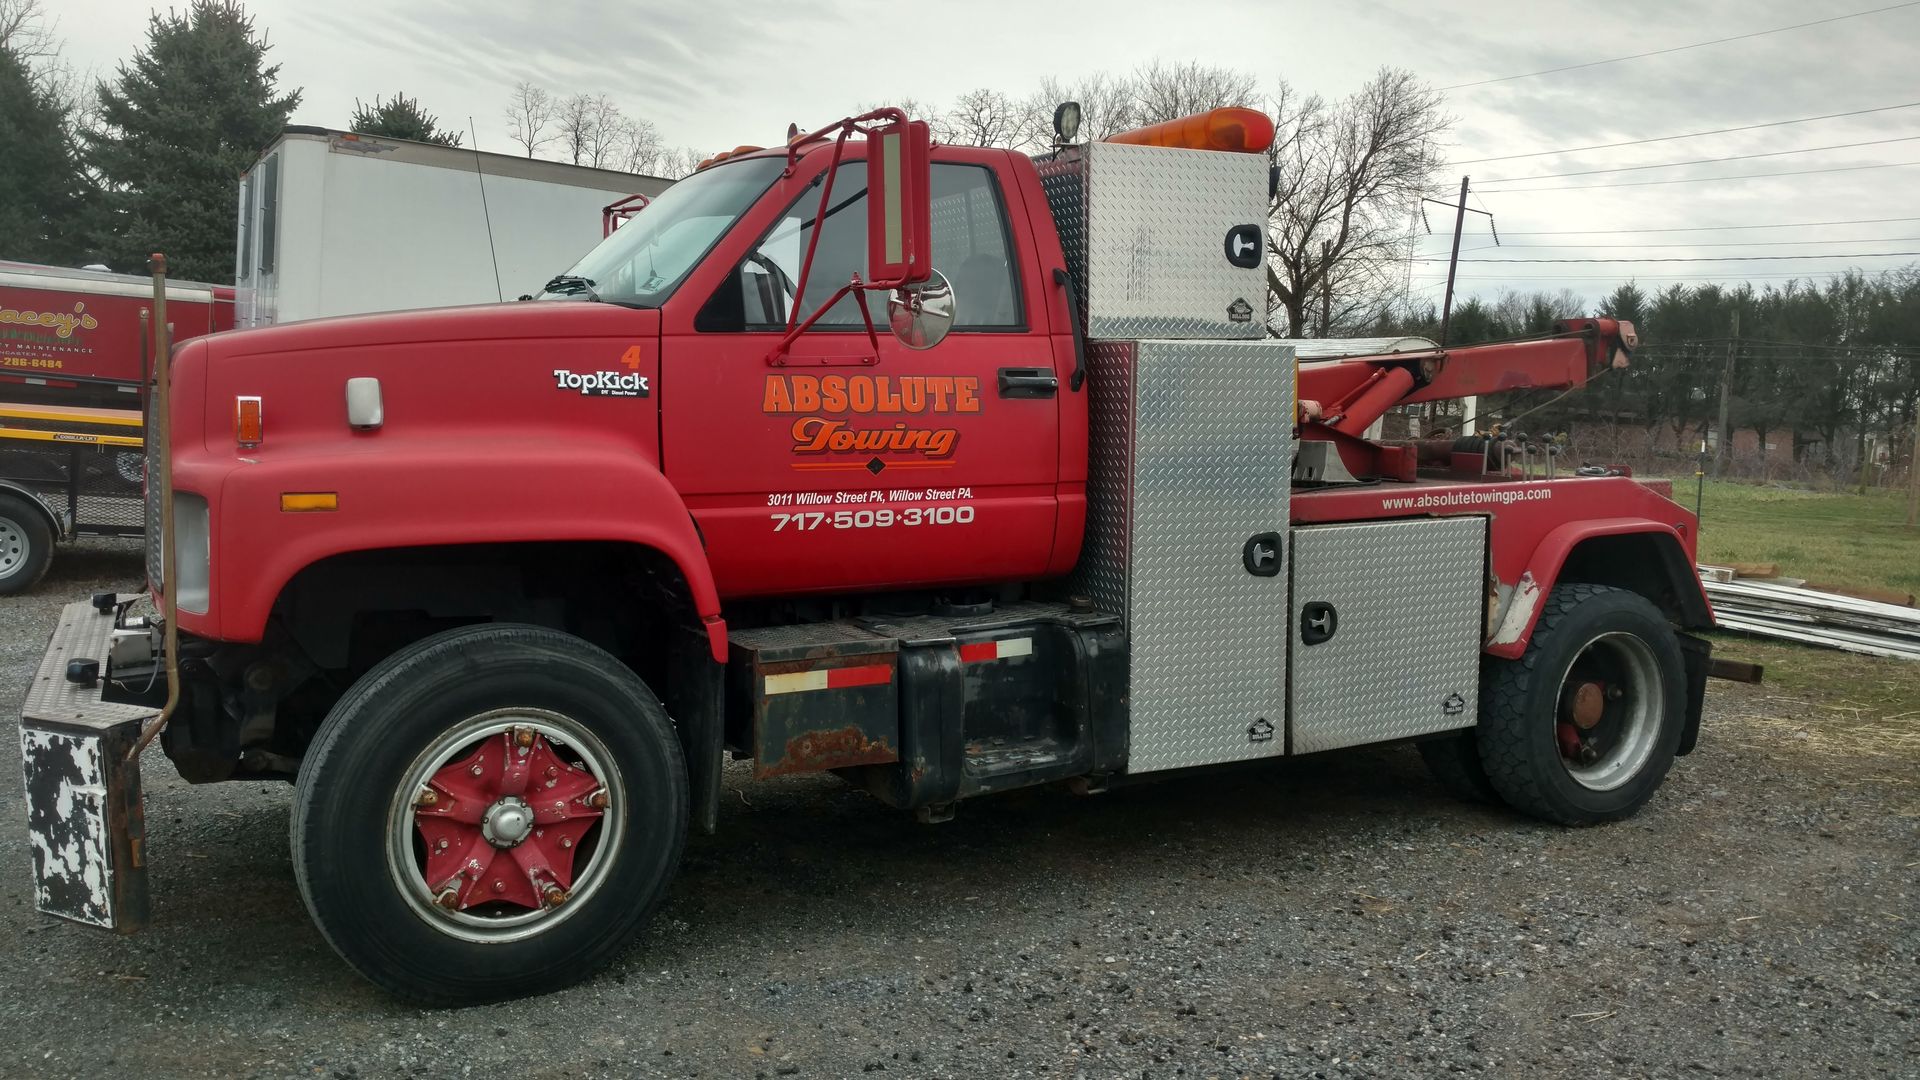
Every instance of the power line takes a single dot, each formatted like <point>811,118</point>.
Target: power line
<point>1688,135</point>
<point>1706,258</point>
<point>1683,48</point>
<point>1705,179</point>
<point>1706,161</point>
<point>1743,243</point>
<point>1644,277</point>
<point>1713,228</point>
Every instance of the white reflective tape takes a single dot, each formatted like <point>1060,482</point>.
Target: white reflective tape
<point>1020,646</point>
<point>794,682</point>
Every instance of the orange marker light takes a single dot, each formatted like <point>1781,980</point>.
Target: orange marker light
<point>1245,131</point>
<point>301,502</point>
<point>246,422</point>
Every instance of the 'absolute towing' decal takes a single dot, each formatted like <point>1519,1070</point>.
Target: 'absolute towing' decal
<point>829,407</point>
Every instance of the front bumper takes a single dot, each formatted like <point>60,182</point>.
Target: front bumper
<point>85,821</point>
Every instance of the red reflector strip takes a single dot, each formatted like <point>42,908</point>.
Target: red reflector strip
<point>794,682</point>
<point>996,650</point>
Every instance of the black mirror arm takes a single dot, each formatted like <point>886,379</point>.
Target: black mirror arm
<point>1065,281</point>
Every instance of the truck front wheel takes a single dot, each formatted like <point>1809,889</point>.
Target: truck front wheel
<point>1582,728</point>
<point>492,812</point>
<point>26,545</point>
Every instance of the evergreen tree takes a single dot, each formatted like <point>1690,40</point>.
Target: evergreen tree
<point>401,117</point>
<point>178,125</point>
<point>40,180</point>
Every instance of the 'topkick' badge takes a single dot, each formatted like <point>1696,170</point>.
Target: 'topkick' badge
<point>601,383</point>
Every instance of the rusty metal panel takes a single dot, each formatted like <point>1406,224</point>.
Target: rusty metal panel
<point>85,824</point>
<point>819,696</point>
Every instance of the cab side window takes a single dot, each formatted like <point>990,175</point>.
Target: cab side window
<point>971,246</point>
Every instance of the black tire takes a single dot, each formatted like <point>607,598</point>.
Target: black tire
<point>1520,707</point>
<point>26,544</point>
<point>348,806</point>
<point>1454,761</point>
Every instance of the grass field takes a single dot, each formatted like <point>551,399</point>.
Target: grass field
<point>1845,540</point>
<point>1853,541</point>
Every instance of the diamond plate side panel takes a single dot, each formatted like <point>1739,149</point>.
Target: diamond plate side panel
<point>1211,468</point>
<point>1065,184</point>
<point>1157,221</point>
<point>1404,659</point>
<point>1102,570</point>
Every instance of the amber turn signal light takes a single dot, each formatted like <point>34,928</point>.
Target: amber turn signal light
<point>301,502</point>
<point>246,422</point>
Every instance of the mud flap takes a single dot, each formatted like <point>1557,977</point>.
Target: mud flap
<point>1697,653</point>
<point>85,822</point>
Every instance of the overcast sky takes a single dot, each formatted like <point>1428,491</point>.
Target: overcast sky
<point>715,74</point>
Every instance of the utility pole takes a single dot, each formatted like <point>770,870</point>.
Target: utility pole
<point>1326,286</point>
<point>1725,449</point>
<point>1913,472</point>
<point>1453,261</point>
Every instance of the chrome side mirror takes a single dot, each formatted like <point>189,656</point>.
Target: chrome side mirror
<point>921,314</point>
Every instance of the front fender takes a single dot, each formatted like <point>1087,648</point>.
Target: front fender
<point>416,493</point>
<point>1647,557</point>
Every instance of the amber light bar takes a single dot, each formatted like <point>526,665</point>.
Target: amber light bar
<point>1244,131</point>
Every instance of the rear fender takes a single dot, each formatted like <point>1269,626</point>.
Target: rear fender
<point>443,492</point>
<point>1646,557</point>
<point>62,527</point>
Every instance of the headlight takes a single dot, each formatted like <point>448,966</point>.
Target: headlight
<point>192,551</point>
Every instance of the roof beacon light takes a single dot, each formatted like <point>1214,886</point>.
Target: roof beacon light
<point>1245,131</point>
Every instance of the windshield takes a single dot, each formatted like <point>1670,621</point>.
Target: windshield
<point>644,260</point>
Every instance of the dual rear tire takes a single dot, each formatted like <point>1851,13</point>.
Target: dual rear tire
<point>1581,728</point>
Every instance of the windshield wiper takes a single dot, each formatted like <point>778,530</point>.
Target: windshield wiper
<point>568,284</point>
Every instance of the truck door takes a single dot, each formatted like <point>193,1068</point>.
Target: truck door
<point>836,467</point>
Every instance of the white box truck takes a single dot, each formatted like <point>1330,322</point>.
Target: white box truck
<point>335,223</point>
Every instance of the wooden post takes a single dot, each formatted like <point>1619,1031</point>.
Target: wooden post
<point>1913,472</point>
<point>1724,452</point>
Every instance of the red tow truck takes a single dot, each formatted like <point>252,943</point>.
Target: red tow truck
<point>73,359</point>
<point>944,469</point>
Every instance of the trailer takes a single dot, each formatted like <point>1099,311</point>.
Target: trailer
<point>338,223</point>
<point>945,470</point>
<point>73,368</point>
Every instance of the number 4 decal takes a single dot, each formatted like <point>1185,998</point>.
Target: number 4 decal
<point>631,358</point>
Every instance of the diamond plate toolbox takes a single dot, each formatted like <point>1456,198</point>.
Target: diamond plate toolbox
<point>1191,460</point>
<point>1162,243</point>
<point>1401,655</point>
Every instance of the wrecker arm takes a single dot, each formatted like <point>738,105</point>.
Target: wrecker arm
<point>1340,398</point>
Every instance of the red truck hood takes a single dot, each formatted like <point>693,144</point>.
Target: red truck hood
<point>553,369</point>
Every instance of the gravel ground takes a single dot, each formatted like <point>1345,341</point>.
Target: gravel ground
<point>1338,917</point>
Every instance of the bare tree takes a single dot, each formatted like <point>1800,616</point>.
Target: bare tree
<point>1347,173</point>
<point>1167,91</point>
<point>680,162</point>
<point>987,117</point>
<point>639,149</point>
<point>530,116</point>
<point>1107,104</point>
<point>27,33</point>
<point>591,129</point>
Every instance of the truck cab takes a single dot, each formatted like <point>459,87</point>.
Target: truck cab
<point>946,470</point>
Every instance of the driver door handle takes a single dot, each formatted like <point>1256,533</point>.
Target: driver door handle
<point>1028,382</point>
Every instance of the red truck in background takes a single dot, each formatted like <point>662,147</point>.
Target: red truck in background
<point>73,362</point>
<point>945,469</point>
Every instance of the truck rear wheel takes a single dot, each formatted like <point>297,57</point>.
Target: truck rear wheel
<point>1582,728</point>
<point>26,545</point>
<point>492,812</point>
